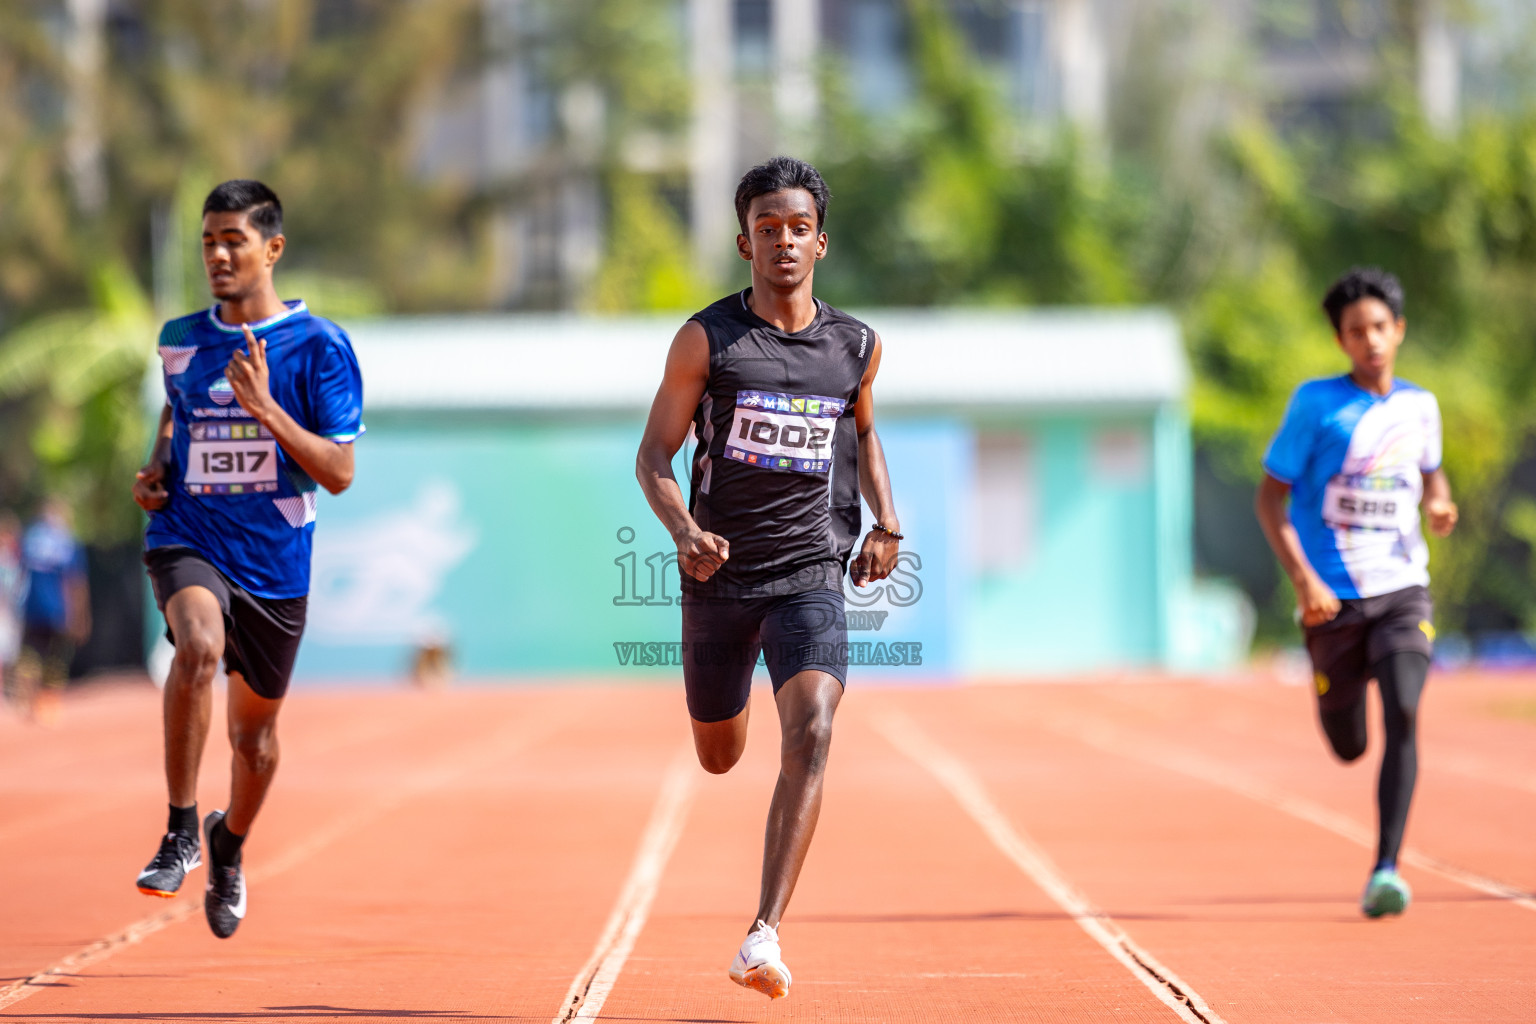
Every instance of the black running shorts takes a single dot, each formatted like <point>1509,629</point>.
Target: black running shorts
<point>1345,651</point>
<point>723,636</point>
<point>261,634</point>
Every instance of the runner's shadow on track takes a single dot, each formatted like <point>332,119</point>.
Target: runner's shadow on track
<point>1235,901</point>
<point>933,918</point>
<point>287,1013</point>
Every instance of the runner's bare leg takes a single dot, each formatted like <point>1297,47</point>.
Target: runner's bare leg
<point>806,703</point>
<point>197,623</point>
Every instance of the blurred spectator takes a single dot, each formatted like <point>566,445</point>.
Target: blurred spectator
<point>56,614</point>
<point>13,583</point>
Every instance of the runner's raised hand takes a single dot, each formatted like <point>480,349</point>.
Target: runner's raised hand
<point>248,375</point>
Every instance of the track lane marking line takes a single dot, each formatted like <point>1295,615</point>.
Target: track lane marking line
<point>1118,741</point>
<point>594,982</point>
<point>503,741</point>
<point>1449,758</point>
<point>968,791</point>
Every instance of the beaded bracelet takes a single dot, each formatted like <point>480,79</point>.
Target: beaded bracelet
<point>890,532</point>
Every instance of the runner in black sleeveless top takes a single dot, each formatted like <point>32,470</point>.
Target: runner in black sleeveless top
<point>777,387</point>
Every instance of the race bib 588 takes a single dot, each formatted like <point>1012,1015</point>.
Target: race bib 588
<point>235,457</point>
<point>1369,503</point>
<point>778,431</point>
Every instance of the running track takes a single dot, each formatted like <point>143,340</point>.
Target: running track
<point>1149,851</point>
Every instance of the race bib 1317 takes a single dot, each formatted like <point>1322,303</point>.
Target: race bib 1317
<point>235,457</point>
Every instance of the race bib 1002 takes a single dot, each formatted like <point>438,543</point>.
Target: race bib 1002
<point>1369,503</point>
<point>235,457</point>
<point>777,431</point>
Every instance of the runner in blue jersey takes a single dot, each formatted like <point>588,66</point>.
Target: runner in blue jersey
<point>263,402</point>
<point>1357,456</point>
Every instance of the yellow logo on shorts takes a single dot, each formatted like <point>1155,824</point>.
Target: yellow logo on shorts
<point>1322,683</point>
<point>1428,629</point>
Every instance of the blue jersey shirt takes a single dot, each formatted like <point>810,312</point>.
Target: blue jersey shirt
<point>51,558</point>
<point>236,497</point>
<point>1355,462</point>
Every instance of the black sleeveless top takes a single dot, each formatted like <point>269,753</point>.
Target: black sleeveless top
<point>776,470</point>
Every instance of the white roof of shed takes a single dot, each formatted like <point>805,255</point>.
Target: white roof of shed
<point>932,358</point>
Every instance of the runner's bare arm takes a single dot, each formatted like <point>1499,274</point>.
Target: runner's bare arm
<point>149,483</point>
<point>328,462</point>
<point>1317,602</point>
<point>877,556</point>
<point>682,385</point>
<point>1439,509</point>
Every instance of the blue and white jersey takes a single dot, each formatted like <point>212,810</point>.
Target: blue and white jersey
<point>1355,462</point>
<point>51,559</point>
<point>236,497</point>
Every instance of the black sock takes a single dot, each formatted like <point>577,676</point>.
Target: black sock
<point>1400,677</point>
<point>225,845</point>
<point>183,820</point>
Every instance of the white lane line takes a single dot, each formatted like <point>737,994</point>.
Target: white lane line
<point>1197,766</point>
<point>584,1000</point>
<point>480,756</point>
<point>968,790</point>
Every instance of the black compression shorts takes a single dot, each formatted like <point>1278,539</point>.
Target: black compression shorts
<point>1345,651</point>
<point>723,636</point>
<point>261,634</point>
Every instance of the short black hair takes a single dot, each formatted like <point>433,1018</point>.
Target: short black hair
<point>1363,283</point>
<point>781,174</point>
<point>242,195</point>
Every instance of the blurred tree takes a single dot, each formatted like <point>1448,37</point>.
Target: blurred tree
<point>1455,218</point>
<point>1197,201</point>
<point>1240,228</point>
<point>76,377</point>
<point>123,121</point>
<point>947,203</point>
<point>628,58</point>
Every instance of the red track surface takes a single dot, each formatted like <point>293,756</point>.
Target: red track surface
<point>456,856</point>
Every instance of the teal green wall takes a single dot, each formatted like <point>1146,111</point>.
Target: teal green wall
<point>542,505</point>
<point>1087,592</point>
<point>510,539</point>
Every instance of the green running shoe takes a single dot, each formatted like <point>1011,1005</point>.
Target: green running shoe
<point>1386,893</point>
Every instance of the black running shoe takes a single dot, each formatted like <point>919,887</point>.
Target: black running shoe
<point>224,899</point>
<point>179,853</point>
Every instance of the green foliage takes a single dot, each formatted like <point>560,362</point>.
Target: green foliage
<point>71,379</point>
<point>1455,218</point>
<point>1240,231</point>
<point>955,198</point>
<point>664,280</point>
<point>317,99</point>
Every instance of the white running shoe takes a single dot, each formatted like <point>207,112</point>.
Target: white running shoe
<point>758,964</point>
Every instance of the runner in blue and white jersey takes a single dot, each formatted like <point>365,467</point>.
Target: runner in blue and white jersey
<point>1357,456</point>
<point>263,402</point>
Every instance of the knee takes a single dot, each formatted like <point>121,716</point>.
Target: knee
<point>256,748</point>
<point>1403,724</point>
<point>1348,741</point>
<point>197,657</point>
<point>719,748</point>
<point>718,762</point>
<point>1348,749</point>
<point>808,741</point>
